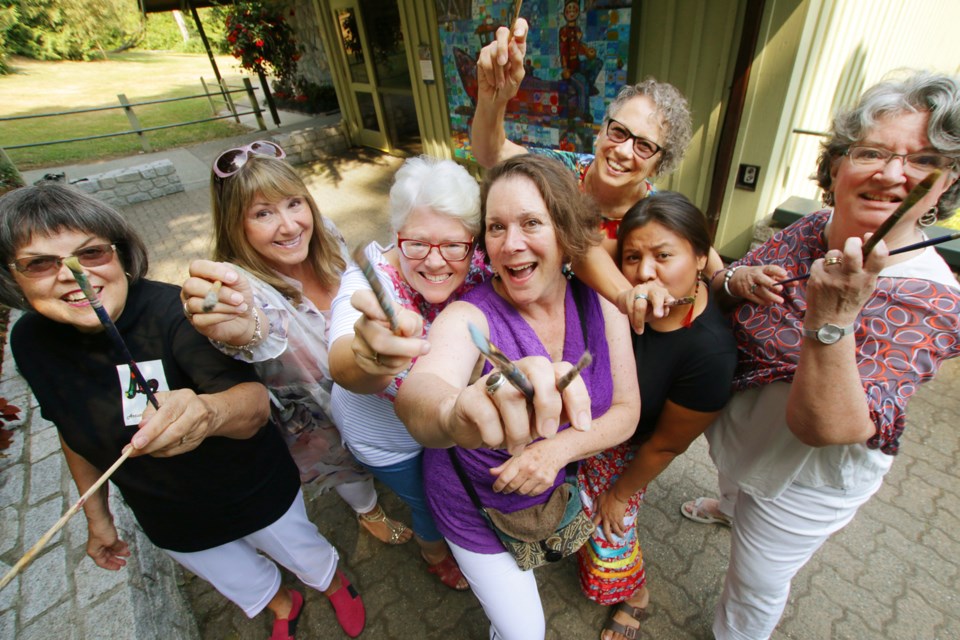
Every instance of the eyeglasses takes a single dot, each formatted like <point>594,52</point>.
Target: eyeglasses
<point>232,160</point>
<point>918,164</point>
<point>41,266</point>
<point>618,134</point>
<point>449,251</point>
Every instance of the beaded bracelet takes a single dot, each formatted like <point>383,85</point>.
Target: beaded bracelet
<point>255,339</point>
<point>726,280</point>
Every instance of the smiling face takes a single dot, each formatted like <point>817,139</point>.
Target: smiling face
<point>433,277</point>
<point>58,296</point>
<point>521,241</point>
<point>279,231</point>
<point>865,197</point>
<point>618,168</point>
<point>654,253</point>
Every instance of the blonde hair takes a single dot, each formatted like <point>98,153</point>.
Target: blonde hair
<point>275,180</point>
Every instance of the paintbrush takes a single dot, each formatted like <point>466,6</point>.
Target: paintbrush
<point>513,26</point>
<point>210,300</point>
<point>45,538</point>
<point>910,247</point>
<point>500,361</point>
<point>569,376</point>
<point>386,304</point>
<point>74,265</point>
<point>912,198</point>
<point>680,301</point>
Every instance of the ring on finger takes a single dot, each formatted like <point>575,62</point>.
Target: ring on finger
<point>831,260</point>
<point>183,440</point>
<point>494,382</point>
<point>186,311</point>
<point>753,288</point>
<point>641,296</point>
<point>375,358</point>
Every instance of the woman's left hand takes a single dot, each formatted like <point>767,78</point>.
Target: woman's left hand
<point>183,421</point>
<point>529,473</point>
<point>836,292</point>
<point>609,513</point>
<point>376,349</point>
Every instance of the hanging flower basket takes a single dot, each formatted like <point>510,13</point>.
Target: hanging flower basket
<point>261,40</point>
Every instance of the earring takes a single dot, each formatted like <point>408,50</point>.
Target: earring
<point>567,270</point>
<point>929,218</point>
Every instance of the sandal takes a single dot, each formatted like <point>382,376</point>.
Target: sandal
<point>638,614</point>
<point>283,629</point>
<point>399,532</point>
<point>694,510</point>
<point>449,572</point>
<point>348,606</point>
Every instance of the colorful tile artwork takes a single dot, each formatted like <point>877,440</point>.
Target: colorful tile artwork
<point>576,62</point>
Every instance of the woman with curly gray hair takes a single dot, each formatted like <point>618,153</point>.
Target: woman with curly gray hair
<point>644,135</point>
<point>827,366</point>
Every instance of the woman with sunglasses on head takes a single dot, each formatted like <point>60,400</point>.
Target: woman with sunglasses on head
<point>685,361</point>
<point>210,481</point>
<point>643,136</point>
<point>828,365</point>
<point>435,213</point>
<point>280,263</point>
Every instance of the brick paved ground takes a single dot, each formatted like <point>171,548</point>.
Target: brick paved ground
<point>893,573</point>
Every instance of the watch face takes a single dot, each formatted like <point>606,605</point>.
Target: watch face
<point>829,333</point>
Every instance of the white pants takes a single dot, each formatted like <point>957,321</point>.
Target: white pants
<point>361,495</point>
<point>770,542</point>
<point>250,580</point>
<point>509,596</point>
<point>727,502</point>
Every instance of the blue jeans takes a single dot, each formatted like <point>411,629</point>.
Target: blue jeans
<point>406,480</point>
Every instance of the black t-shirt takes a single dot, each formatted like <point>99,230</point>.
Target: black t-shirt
<point>219,492</point>
<point>691,367</point>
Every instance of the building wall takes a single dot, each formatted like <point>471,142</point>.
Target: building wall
<point>815,57</point>
<point>314,66</point>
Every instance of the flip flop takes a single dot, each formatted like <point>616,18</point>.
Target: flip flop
<point>693,509</point>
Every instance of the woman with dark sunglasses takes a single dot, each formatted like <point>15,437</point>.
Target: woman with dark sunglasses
<point>280,264</point>
<point>210,481</point>
<point>435,213</point>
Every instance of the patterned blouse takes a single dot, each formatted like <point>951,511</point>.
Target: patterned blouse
<point>904,332</point>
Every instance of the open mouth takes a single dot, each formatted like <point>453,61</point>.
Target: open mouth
<point>616,167</point>
<point>289,244</point>
<point>521,272</point>
<point>77,298</point>
<point>881,197</point>
<point>439,278</point>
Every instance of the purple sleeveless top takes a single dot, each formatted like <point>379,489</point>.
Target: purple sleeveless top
<point>456,516</point>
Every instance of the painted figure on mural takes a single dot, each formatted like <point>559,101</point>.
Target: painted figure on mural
<point>579,62</point>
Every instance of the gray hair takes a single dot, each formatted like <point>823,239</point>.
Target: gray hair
<point>440,185</point>
<point>938,94</point>
<point>674,114</point>
<point>49,208</point>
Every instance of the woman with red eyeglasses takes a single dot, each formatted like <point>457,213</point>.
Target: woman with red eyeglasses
<point>435,213</point>
<point>210,482</point>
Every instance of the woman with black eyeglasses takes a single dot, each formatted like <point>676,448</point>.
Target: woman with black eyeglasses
<point>643,136</point>
<point>210,481</point>
<point>435,213</point>
<point>280,262</point>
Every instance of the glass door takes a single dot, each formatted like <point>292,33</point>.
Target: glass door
<point>374,55</point>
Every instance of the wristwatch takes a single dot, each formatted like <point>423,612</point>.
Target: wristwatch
<point>828,333</point>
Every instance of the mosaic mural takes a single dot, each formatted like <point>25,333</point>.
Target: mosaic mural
<point>576,62</point>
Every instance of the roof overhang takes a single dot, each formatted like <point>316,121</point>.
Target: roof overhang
<point>159,6</point>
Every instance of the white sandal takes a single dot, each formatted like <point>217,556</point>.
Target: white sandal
<point>397,530</point>
<point>693,509</point>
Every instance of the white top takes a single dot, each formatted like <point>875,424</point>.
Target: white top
<point>752,445</point>
<point>368,424</point>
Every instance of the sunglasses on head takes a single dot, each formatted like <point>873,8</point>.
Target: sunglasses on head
<point>232,160</point>
<point>40,266</point>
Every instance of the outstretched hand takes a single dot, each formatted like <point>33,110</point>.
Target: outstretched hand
<point>500,64</point>
<point>230,320</point>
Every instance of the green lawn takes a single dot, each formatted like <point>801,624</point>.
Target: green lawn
<point>45,87</point>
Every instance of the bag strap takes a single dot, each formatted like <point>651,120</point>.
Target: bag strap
<point>580,301</point>
<point>455,459</point>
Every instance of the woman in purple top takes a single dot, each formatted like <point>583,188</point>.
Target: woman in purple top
<point>535,221</point>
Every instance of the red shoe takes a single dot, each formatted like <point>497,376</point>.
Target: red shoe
<point>449,572</point>
<point>285,628</point>
<point>349,607</point>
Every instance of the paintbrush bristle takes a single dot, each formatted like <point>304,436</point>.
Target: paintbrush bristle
<point>73,264</point>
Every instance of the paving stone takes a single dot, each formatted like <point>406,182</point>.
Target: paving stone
<point>11,485</point>
<point>43,584</point>
<point>39,519</point>
<point>45,477</point>
<point>59,624</point>
<point>9,528</point>
<point>10,595</point>
<point>93,582</point>
<point>44,441</point>
<point>111,619</point>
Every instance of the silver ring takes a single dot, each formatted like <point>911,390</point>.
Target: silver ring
<point>641,296</point>
<point>183,440</point>
<point>832,260</point>
<point>494,382</point>
<point>376,358</point>
<point>186,311</point>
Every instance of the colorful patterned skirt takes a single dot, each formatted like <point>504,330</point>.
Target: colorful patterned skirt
<point>610,570</point>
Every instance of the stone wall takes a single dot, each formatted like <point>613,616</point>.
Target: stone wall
<point>313,66</point>
<point>63,594</point>
<point>133,184</point>
<point>311,143</point>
